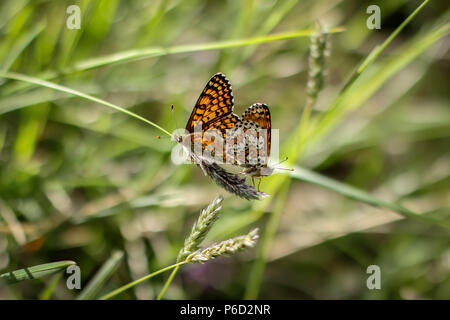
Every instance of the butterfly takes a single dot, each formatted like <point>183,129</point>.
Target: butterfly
<point>252,154</point>
<point>247,138</point>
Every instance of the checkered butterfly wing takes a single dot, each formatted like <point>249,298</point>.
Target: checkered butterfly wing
<point>260,114</point>
<point>213,111</point>
<point>248,143</point>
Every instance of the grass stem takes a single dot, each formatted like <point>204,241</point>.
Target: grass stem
<point>136,282</point>
<point>168,282</point>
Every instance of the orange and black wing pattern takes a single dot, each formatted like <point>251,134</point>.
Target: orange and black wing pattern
<point>214,105</point>
<point>260,114</point>
<point>218,128</point>
<point>214,112</point>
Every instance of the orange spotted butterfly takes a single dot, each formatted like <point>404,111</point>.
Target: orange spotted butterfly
<point>214,113</point>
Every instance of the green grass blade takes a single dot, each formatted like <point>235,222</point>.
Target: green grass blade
<point>137,54</point>
<point>152,52</point>
<point>64,89</point>
<point>34,272</point>
<point>21,43</point>
<point>46,294</point>
<point>356,93</point>
<point>374,54</point>
<point>258,267</point>
<point>360,195</point>
<point>377,51</point>
<point>136,282</point>
<point>97,282</point>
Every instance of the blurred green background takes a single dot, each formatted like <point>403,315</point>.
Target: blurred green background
<point>79,180</point>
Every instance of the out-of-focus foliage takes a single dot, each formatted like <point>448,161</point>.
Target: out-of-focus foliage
<point>79,181</point>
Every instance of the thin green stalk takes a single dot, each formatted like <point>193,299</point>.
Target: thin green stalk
<point>317,57</point>
<point>168,282</point>
<point>361,195</point>
<point>257,272</point>
<point>136,282</point>
<point>375,53</point>
<point>51,85</point>
<point>46,294</point>
<point>20,45</point>
<point>302,128</point>
<point>152,52</point>
<point>318,52</point>
<point>97,282</point>
<point>34,272</point>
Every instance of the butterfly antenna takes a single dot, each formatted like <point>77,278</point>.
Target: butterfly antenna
<point>281,168</point>
<point>276,164</point>
<point>174,119</point>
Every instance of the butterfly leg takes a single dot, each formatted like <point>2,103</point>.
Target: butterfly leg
<point>259,183</point>
<point>253,181</point>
